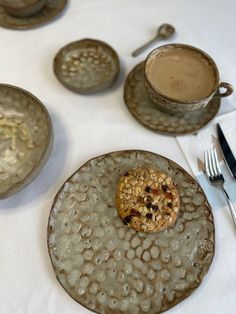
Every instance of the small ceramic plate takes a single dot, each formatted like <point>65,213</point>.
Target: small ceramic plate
<point>110,268</point>
<point>51,9</point>
<point>87,66</point>
<point>146,112</point>
<point>25,138</point>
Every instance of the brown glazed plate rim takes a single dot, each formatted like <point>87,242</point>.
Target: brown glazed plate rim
<point>65,49</point>
<point>36,20</point>
<point>179,45</point>
<point>167,133</point>
<point>107,155</point>
<point>46,151</point>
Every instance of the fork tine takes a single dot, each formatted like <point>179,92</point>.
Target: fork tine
<point>206,163</point>
<point>214,161</point>
<point>217,165</point>
<point>212,174</point>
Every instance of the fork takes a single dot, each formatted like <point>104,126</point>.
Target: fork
<point>216,177</point>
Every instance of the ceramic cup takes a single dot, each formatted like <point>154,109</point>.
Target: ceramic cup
<point>181,78</point>
<point>22,8</point>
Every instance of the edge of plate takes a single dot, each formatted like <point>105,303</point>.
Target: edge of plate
<point>46,152</point>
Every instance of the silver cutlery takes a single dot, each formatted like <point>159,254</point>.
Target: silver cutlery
<point>227,153</point>
<point>216,177</point>
<point>164,31</point>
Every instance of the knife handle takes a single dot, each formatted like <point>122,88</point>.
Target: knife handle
<point>231,207</point>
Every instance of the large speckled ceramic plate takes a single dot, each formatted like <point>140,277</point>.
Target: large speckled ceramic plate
<point>146,112</point>
<point>109,267</point>
<point>25,138</point>
<point>52,9</point>
<point>87,66</point>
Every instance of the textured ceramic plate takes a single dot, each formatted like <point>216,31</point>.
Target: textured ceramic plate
<point>87,66</point>
<point>52,9</point>
<point>110,268</point>
<point>146,112</point>
<point>25,138</point>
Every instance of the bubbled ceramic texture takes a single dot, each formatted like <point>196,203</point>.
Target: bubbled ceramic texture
<point>25,138</point>
<point>146,112</point>
<point>171,106</point>
<point>86,66</point>
<point>51,9</point>
<point>110,268</point>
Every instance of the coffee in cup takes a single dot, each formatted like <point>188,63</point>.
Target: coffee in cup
<point>181,78</point>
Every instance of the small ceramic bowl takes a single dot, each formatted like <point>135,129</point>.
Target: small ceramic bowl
<point>26,138</point>
<point>22,8</point>
<point>182,78</point>
<point>87,66</point>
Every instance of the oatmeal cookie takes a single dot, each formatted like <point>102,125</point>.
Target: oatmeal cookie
<point>147,200</point>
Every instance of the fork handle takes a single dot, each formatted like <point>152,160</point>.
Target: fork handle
<point>231,207</point>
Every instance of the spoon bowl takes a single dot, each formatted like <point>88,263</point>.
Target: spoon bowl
<point>165,31</point>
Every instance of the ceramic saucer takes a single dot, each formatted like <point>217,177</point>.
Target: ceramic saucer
<point>25,138</point>
<point>51,9</point>
<point>145,111</point>
<point>87,66</point>
<point>110,268</point>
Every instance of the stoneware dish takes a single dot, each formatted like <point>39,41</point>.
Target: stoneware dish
<point>112,269</point>
<point>147,113</point>
<point>87,66</point>
<point>25,138</point>
<point>50,10</point>
<point>173,105</point>
<point>22,8</point>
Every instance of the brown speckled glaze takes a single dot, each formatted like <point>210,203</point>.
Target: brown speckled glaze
<point>50,10</point>
<point>146,112</point>
<point>87,66</point>
<point>25,138</point>
<point>112,269</point>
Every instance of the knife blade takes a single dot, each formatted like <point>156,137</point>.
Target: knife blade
<point>227,152</point>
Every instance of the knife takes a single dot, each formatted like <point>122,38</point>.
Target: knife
<point>227,152</point>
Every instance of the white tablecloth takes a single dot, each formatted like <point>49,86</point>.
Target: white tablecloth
<point>86,126</point>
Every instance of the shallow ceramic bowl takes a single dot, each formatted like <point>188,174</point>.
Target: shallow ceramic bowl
<point>87,66</point>
<point>25,138</point>
<point>112,269</point>
<point>23,8</point>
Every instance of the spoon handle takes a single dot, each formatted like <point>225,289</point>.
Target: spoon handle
<point>144,47</point>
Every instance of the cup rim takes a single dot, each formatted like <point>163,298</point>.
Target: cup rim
<point>179,45</point>
<point>7,6</point>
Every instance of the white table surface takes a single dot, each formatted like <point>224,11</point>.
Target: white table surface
<point>86,126</point>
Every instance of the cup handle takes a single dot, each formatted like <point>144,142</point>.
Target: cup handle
<point>229,89</point>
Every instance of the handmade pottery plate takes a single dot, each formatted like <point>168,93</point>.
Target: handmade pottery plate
<point>51,9</point>
<point>25,138</point>
<point>87,66</point>
<point>147,113</point>
<point>110,268</point>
